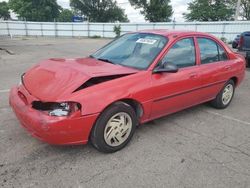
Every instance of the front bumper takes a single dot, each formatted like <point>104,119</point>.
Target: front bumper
<point>74,129</point>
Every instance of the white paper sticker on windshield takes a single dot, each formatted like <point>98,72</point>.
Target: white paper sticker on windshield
<point>146,41</point>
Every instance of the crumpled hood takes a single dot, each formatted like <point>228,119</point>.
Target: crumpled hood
<point>55,78</point>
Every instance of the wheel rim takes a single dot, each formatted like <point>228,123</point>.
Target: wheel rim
<point>118,129</point>
<point>227,94</point>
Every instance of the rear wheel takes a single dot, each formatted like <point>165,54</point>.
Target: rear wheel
<point>225,96</point>
<point>114,128</point>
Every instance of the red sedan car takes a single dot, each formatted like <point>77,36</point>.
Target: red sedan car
<point>136,78</point>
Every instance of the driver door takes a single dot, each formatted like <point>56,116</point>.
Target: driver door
<point>175,91</point>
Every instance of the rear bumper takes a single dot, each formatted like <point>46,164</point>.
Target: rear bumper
<point>74,129</point>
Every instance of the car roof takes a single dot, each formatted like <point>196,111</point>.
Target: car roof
<point>168,32</point>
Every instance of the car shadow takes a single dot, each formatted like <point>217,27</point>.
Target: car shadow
<point>172,117</point>
<point>145,127</point>
<point>45,158</point>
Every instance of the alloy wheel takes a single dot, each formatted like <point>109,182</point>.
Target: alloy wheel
<point>118,129</point>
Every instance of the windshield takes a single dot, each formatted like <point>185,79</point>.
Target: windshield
<point>137,50</point>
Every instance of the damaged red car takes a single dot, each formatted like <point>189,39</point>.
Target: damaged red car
<point>136,78</point>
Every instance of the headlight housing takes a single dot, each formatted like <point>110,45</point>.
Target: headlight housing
<point>21,80</point>
<point>57,109</point>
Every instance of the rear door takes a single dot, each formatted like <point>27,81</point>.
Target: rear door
<point>215,67</point>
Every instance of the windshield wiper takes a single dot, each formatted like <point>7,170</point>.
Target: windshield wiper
<point>106,60</point>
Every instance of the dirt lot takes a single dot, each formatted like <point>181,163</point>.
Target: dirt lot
<point>198,147</point>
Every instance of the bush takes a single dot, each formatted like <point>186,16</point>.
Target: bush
<point>117,30</point>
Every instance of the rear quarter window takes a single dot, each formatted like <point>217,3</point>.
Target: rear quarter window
<point>222,54</point>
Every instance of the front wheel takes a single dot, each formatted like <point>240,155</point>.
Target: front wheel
<point>114,128</point>
<point>225,96</point>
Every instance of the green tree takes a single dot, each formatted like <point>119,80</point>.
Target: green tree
<point>209,10</point>
<point>99,10</point>
<point>245,9</point>
<point>65,15</point>
<point>154,10</point>
<point>4,11</point>
<point>35,10</point>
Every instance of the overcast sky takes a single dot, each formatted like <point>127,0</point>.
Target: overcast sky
<point>179,7</point>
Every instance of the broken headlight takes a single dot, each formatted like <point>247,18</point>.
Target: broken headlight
<point>57,109</point>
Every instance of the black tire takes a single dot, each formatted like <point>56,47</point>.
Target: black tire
<point>97,133</point>
<point>218,101</point>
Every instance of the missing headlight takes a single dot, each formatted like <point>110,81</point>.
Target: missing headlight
<point>56,109</point>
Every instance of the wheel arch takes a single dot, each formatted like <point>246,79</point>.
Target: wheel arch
<point>235,80</point>
<point>136,105</point>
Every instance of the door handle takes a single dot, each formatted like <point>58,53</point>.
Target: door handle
<point>193,75</point>
<point>228,67</point>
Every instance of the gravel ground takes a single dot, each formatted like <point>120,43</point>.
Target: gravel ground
<point>197,147</point>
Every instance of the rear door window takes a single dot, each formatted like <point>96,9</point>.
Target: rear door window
<point>210,51</point>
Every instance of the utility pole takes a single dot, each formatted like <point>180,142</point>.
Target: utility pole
<point>237,11</point>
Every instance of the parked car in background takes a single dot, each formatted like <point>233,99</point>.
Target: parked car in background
<point>236,41</point>
<point>134,79</point>
<point>244,46</point>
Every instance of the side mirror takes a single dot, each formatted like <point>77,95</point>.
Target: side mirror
<point>166,67</point>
